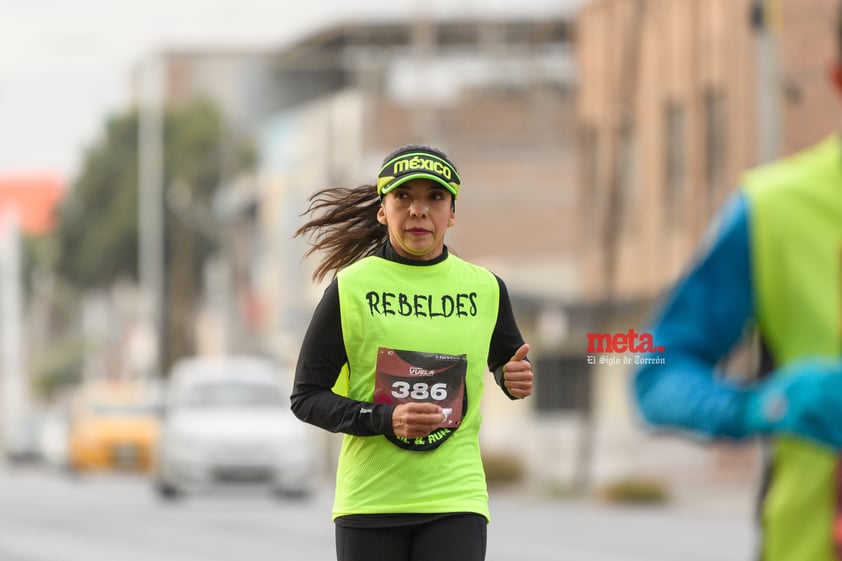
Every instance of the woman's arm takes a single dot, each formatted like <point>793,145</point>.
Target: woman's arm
<point>320,361</point>
<point>704,317</point>
<point>505,339</point>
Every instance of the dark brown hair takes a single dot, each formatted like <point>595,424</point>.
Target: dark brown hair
<point>344,224</point>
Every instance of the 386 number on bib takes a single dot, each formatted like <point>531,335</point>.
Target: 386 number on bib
<point>419,390</point>
<point>406,376</point>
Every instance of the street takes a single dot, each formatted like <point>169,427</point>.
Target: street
<point>50,516</point>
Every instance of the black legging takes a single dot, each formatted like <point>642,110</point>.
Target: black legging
<point>461,537</point>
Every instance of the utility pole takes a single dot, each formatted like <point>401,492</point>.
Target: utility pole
<point>150,208</point>
<point>14,389</point>
<point>765,19</point>
<point>423,43</point>
<point>622,114</point>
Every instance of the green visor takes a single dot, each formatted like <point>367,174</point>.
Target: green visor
<point>417,164</point>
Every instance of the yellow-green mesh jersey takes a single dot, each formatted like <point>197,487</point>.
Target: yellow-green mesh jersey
<point>450,307</point>
<point>796,240</point>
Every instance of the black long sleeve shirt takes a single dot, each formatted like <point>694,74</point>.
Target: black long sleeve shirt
<point>323,355</point>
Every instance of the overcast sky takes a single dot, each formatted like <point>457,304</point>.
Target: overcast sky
<point>65,64</point>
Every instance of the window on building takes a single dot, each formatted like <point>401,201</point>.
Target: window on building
<point>589,158</point>
<point>627,180</point>
<point>675,172</point>
<point>562,384</point>
<point>716,152</point>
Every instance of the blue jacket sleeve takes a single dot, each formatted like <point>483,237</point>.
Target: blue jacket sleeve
<point>701,320</point>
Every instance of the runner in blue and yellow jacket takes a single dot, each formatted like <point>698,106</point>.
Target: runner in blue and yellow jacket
<point>394,357</point>
<point>774,261</point>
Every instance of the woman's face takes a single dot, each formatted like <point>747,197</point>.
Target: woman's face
<point>417,214</point>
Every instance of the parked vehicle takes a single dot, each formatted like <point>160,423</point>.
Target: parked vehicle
<point>227,421</point>
<point>54,440</point>
<point>113,426</point>
<point>22,439</point>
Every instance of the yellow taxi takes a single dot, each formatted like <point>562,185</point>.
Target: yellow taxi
<point>113,426</point>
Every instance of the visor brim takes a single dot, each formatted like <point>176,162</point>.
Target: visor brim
<point>409,177</point>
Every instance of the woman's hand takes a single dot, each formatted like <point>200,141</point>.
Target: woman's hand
<point>414,420</point>
<point>517,374</point>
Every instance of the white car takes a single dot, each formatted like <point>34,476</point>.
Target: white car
<point>55,435</point>
<point>227,420</point>
<point>22,439</point>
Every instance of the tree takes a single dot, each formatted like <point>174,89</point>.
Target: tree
<point>97,236</point>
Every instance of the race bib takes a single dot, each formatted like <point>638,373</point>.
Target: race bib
<point>410,376</point>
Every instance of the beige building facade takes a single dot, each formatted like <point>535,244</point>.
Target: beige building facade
<point>668,90</point>
<point>676,99</point>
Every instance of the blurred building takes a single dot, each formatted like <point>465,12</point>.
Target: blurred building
<point>697,94</point>
<point>28,204</point>
<point>497,96</point>
<point>676,100</point>
<point>34,197</point>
